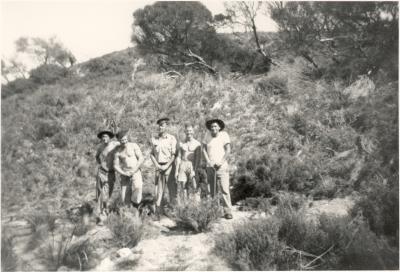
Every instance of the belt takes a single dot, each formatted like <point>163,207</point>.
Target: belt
<point>162,163</point>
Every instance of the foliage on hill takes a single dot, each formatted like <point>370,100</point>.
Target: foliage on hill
<point>311,136</point>
<point>343,39</point>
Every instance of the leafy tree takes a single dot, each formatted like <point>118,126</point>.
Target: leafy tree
<point>358,37</point>
<point>174,28</point>
<point>244,13</point>
<point>12,68</point>
<point>48,51</point>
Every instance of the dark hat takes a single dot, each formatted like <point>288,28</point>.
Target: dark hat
<point>165,119</point>
<point>122,133</point>
<point>220,123</point>
<point>106,131</point>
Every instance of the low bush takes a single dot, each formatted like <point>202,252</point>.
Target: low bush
<point>274,84</point>
<point>41,218</point>
<point>380,206</point>
<point>59,251</point>
<point>47,74</point>
<point>47,129</point>
<point>255,203</point>
<point>197,216</point>
<point>19,85</point>
<point>127,229</point>
<point>289,241</point>
<point>251,246</point>
<point>262,176</point>
<point>8,257</point>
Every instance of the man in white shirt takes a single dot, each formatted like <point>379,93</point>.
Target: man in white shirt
<point>162,155</point>
<point>216,152</point>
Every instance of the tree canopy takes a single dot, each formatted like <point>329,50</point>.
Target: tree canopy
<point>358,37</point>
<point>174,28</point>
<point>45,51</point>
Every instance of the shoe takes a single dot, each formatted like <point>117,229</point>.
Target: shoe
<point>228,216</point>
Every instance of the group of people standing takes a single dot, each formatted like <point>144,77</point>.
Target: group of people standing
<point>178,165</point>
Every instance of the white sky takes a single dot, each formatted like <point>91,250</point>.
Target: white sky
<point>88,28</point>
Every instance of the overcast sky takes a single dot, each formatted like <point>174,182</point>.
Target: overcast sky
<point>89,28</point>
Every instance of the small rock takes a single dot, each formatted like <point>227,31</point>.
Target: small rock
<point>124,252</point>
<point>63,268</point>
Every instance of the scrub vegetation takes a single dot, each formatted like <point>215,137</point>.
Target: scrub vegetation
<point>316,123</point>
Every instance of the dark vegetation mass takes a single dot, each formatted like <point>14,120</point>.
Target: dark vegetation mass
<point>311,110</point>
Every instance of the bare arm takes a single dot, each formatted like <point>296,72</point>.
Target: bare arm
<point>227,149</point>
<point>153,159</point>
<point>178,162</point>
<point>139,157</point>
<point>98,156</point>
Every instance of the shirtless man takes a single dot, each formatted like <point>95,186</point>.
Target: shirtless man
<point>105,177</point>
<point>187,163</point>
<point>127,161</point>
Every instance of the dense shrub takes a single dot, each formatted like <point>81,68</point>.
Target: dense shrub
<point>197,216</point>
<point>19,85</point>
<point>256,203</point>
<point>380,206</point>
<point>118,64</point>
<point>59,251</point>
<point>127,229</point>
<point>266,174</point>
<point>273,84</point>
<point>8,255</point>
<point>251,246</point>
<point>291,241</point>
<point>46,129</point>
<point>47,74</point>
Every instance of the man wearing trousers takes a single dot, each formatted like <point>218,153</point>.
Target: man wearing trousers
<point>163,156</point>
<point>216,151</point>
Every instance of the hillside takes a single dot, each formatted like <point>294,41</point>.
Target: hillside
<point>290,131</point>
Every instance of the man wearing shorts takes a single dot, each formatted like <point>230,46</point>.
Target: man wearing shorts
<point>105,177</point>
<point>163,156</point>
<point>127,161</point>
<point>217,149</point>
<point>187,162</point>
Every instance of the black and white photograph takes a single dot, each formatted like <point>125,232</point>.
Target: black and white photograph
<point>199,135</point>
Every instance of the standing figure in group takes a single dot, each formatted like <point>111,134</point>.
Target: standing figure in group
<point>163,156</point>
<point>216,151</point>
<point>105,177</point>
<point>187,163</point>
<point>127,162</point>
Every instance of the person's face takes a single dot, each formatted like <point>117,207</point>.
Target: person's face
<point>189,132</point>
<point>215,129</point>
<point>124,140</point>
<point>162,127</point>
<point>105,138</point>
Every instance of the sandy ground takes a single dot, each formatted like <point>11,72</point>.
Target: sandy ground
<point>167,248</point>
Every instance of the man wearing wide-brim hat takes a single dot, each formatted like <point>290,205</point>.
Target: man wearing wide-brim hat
<point>105,177</point>
<point>216,151</point>
<point>163,153</point>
